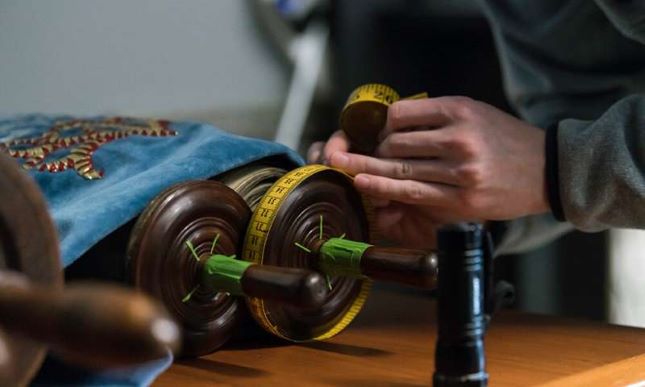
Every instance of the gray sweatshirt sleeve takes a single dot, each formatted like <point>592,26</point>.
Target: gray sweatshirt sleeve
<point>577,67</point>
<point>601,178</point>
<point>530,232</point>
<point>601,168</point>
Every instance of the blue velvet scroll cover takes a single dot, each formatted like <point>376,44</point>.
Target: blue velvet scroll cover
<point>99,173</point>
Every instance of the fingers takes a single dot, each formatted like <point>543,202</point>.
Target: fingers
<point>424,170</point>
<point>410,113</point>
<point>314,152</point>
<point>338,142</point>
<point>405,191</point>
<point>319,152</point>
<point>417,144</point>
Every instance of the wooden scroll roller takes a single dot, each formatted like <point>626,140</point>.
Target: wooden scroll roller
<point>92,325</point>
<point>253,180</point>
<point>313,218</point>
<point>184,250</point>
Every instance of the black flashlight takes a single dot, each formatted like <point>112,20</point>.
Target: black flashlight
<point>462,283</point>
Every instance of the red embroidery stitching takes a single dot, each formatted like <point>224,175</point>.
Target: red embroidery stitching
<point>94,133</point>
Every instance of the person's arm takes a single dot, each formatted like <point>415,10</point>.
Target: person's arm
<point>596,175</point>
<point>445,160</point>
<point>600,168</point>
<point>462,159</point>
<point>452,159</point>
<point>511,237</point>
<point>551,72</point>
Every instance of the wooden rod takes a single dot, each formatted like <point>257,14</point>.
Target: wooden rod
<point>298,287</point>
<point>416,268</point>
<point>295,286</point>
<point>89,324</point>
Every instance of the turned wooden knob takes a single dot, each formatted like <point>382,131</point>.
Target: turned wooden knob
<point>416,268</point>
<point>292,286</point>
<point>339,256</point>
<point>298,287</point>
<point>90,324</point>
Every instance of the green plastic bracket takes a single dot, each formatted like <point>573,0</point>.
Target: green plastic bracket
<point>224,273</point>
<point>342,257</point>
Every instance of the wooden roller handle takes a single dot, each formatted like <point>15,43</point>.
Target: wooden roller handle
<point>405,266</point>
<point>7,377</point>
<point>90,324</point>
<point>298,287</point>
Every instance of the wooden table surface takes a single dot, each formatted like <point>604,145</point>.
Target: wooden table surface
<point>391,343</point>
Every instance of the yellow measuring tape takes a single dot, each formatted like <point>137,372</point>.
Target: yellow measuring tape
<point>365,114</point>
<point>372,92</point>
<point>256,239</point>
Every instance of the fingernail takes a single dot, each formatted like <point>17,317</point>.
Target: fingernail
<point>339,160</point>
<point>362,181</point>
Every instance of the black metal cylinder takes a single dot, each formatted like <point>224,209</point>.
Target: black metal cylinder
<point>459,354</point>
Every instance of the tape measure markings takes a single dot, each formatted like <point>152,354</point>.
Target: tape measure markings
<point>255,243</point>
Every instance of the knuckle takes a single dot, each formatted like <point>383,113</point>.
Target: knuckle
<point>394,145</point>
<point>462,100</point>
<point>466,111</point>
<point>465,145</point>
<point>387,147</point>
<point>403,168</point>
<point>451,144</point>
<point>470,174</point>
<point>461,144</point>
<point>355,165</point>
<point>383,188</point>
<point>315,150</point>
<point>394,113</point>
<point>397,141</point>
<point>413,192</point>
<point>466,142</point>
<point>465,107</point>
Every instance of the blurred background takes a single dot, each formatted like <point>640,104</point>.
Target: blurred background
<point>281,70</point>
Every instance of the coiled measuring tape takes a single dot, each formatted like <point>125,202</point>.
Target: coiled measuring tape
<point>365,114</point>
<point>255,243</point>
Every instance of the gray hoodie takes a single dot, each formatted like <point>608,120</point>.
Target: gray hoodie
<point>577,69</point>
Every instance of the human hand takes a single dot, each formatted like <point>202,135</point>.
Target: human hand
<point>408,224</point>
<point>411,225</point>
<point>321,151</point>
<point>450,159</point>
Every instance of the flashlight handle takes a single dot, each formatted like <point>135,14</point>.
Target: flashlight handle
<point>459,356</point>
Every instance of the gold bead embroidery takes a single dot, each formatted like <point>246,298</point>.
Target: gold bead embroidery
<point>93,134</point>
